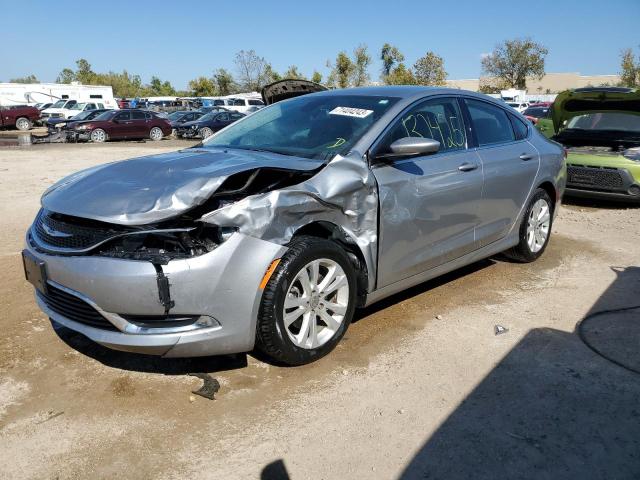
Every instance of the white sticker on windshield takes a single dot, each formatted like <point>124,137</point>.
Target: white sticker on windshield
<point>351,112</point>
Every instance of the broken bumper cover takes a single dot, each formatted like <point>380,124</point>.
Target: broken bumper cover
<point>222,285</point>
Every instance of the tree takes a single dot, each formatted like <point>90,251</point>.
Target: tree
<point>292,72</point>
<point>84,74</point>
<point>361,62</point>
<point>390,56</point>
<point>159,88</point>
<point>400,75</point>
<point>512,61</point>
<point>316,77</point>
<point>65,76</point>
<point>224,82</point>
<point>28,79</point>
<point>270,76</point>
<point>341,72</point>
<point>630,69</point>
<point>203,87</point>
<point>429,70</point>
<point>253,70</point>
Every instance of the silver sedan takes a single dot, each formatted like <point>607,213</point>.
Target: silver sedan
<point>274,230</point>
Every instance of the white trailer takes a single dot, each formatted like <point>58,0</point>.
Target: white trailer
<point>12,94</point>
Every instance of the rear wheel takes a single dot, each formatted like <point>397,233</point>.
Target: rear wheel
<point>23,123</point>
<point>206,132</point>
<point>156,134</point>
<point>308,303</point>
<point>535,229</point>
<point>98,136</point>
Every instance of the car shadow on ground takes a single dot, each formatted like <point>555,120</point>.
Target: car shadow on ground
<point>554,407</point>
<point>148,363</point>
<point>599,203</point>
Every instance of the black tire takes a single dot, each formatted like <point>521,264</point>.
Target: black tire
<point>522,252</point>
<point>272,338</point>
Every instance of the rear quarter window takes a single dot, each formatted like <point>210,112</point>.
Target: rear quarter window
<point>520,130</point>
<point>490,123</point>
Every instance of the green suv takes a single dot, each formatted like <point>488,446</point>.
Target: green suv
<point>600,128</point>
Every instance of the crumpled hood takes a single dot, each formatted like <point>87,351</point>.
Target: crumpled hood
<point>572,103</point>
<point>151,189</point>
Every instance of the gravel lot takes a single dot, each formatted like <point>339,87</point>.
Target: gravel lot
<point>421,387</point>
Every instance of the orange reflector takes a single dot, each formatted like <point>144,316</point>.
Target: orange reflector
<point>268,273</point>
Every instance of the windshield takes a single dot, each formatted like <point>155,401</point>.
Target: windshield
<point>77,106</point>
<point>82,115</point>
<point>176,116</point>
<point>105,116</point>
<point>311,126</point>
<point>612,121</point>
<point>209,116</point>
<point>59,104</point>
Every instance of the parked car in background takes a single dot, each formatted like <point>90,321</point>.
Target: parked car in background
<point>58,109</point>
<point>208,124</point>
<point>123,103</point>
<point>178,118</point>
<point>43,106</point>
<point>81,107</point>
<point>54,125</point>
<point>243,104</point>
<point>518,106</point>
<point>216,108</point>
<point>21,117</point>
<point>274,230</point>
<point>122,124</point>
<point>600,127</point>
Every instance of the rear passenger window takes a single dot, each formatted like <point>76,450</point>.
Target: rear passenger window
<point>137,115</point>
<point>490,123</point>
<point>520,129</point>
<point>438,119</point>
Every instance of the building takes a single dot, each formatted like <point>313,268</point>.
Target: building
<point>550,83</point>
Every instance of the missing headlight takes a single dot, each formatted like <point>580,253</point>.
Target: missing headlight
<point>160,247</point>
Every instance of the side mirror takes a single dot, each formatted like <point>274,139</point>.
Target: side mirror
<point>411,147</point>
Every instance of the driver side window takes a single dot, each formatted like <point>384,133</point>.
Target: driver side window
<point>439,119</point>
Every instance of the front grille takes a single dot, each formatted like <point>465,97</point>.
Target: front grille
<point>595,177</point>
<point>74,308</point>
<point>55,232</point>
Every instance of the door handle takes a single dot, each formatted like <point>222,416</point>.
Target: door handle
<point>467,167</point>
<point>526,156</point>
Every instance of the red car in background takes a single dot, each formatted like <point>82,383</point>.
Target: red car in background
<point>21,117</point>
<point>122,124</point>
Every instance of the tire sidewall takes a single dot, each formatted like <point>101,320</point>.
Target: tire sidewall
<point>296,355</point>
<point>202,133</point>
<point>538,195</point>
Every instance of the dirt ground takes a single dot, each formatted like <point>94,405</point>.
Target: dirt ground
<point>421,386</point>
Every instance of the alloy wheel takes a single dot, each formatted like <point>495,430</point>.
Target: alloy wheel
<point>538,225</point>
<point>98,136</point>
<point>316,303</point>
<point>155,134</point>
<point>22,124</point>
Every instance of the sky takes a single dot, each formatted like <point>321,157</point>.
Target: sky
<point>179,41</point>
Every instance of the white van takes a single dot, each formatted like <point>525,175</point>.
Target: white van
<point>243,105</point>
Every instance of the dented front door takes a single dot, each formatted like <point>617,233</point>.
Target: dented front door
<point>428,204</point>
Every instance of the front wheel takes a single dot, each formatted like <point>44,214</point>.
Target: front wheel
<point>206,132</point>
<point>308,303</point>
<point>156,134</point>
<point>23,123</point>
<point>98,136</point>
<point>535,229</point>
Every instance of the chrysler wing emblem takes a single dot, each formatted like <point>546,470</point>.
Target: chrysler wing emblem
<point>54,233</point>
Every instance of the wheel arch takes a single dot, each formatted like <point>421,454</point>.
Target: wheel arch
<point>548,187</point>
<point>335,233</point>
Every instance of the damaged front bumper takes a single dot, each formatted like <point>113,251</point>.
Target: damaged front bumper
<point>122,304</point>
